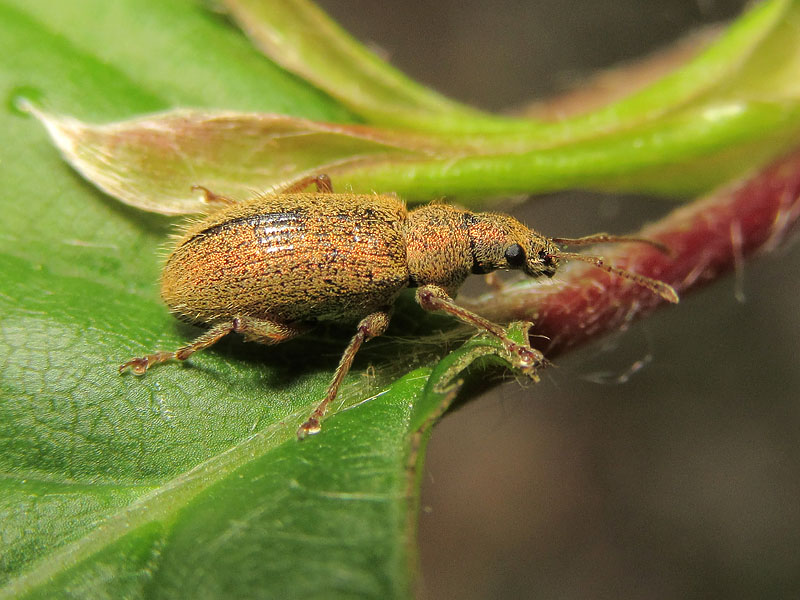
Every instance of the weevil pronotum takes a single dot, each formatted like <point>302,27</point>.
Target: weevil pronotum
<point>270,267</point>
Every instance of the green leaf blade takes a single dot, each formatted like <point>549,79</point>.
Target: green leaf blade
<point>111,482</point>
<point>193,59</point>
<point>321,519</point>
<point>97,465</point>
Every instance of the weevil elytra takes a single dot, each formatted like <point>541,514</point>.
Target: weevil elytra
<point>270,267</point>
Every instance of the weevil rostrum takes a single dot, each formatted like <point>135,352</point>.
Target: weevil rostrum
<point>270,267</point>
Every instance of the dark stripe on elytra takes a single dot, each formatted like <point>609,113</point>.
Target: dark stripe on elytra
<point>365,215</point>
<point>252,221</point>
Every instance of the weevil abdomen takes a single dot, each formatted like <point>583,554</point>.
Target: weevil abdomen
<point>290,258</point>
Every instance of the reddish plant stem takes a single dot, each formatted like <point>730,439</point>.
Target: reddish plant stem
<point>708,238</point>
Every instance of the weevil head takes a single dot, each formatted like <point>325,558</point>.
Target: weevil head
<point>501,242</point>
<point>498,241</point>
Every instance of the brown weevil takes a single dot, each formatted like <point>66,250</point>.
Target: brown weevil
<point>270,267</point>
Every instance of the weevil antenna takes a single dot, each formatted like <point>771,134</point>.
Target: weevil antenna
<point>604,238</point>
<point>666,291</point>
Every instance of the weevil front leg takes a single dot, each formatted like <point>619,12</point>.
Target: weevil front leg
<point>258,330</point>
<point>370,326</point>
<point>432,297</point>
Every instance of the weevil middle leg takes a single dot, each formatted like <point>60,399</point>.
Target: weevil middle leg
<point>370,326</point>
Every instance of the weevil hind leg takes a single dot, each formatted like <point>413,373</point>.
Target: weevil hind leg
<point>433,298</point>
<point>265,331</point>
<point>323,183</point>
<point>370,326</point>
<point>258,330</point>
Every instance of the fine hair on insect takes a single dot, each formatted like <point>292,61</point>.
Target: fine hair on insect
<point>272,267</point>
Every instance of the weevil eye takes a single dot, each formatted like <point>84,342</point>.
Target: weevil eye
<point>515,255</point>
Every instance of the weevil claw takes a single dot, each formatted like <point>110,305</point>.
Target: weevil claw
<point>138,366</point>
<point>526,357</point>
<point>310,427</point>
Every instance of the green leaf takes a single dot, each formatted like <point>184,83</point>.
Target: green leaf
<point>297,35</point>
<point>154,162</point>
<point>188,479</point>
<point>731,109</point>
<point>187,482</point>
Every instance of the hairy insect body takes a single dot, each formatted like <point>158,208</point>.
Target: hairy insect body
<point>271,267</point>
<point>291,258</point>
<point>437,247</point>
<point>295,258</point>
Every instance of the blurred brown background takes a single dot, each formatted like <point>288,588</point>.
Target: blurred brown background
<point>679,479</point>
